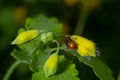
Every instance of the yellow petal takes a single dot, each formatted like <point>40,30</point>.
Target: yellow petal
<point>85,46</point>
<point>25,36</point>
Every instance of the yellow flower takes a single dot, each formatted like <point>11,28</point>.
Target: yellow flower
<point>85,47</point>
<point>50,66</point>
<point>25,36</point>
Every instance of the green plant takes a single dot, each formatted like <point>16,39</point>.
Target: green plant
<point>40,46</point>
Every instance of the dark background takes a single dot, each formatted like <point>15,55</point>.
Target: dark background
<point>102,26</point>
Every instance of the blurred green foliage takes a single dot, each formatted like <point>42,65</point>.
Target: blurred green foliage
<point>102,26</point>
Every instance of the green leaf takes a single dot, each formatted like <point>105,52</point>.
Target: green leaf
<point>41,22</point>
<point>66,71</point>
<point>102,71</point>
<point>22,56</point>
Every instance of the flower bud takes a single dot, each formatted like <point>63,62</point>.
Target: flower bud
<point>50,66</point>
<point>47,37</point>
<point>25,36</point>
<point>85,47</point>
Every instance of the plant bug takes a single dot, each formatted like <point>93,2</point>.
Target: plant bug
<point>70,43</point>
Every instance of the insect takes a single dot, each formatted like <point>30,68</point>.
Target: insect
<point>70,43</point>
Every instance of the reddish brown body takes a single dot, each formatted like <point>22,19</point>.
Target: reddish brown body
<point>70,43</point>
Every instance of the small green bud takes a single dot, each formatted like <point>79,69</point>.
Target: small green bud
<point>50,66</point>
<point>47,37</point>
<point>21,30</point>
<point>25,36</point>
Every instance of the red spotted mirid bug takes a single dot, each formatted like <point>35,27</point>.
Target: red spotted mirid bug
<point>70,43</point>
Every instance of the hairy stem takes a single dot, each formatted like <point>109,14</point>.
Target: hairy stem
<point>81,20</point>
<point>11,69</point>
<point>58,47</point>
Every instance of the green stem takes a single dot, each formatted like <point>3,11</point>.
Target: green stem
<point>60,35</point>
<point>58,46</point>
<point>10,70</point>
<point>81,20</point>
